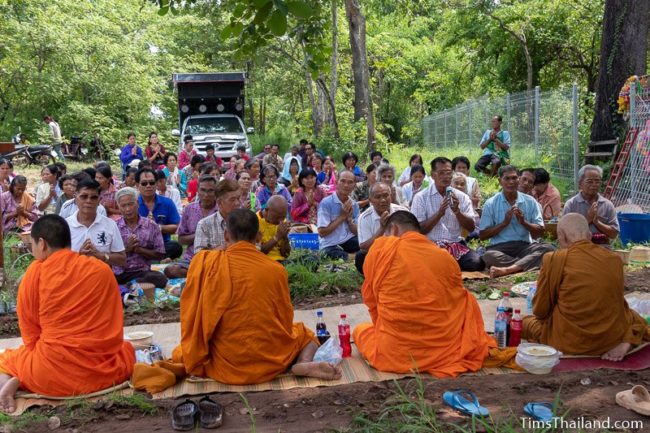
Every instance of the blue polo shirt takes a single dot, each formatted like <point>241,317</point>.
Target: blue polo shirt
<point>164,212</point>
<point>494,212</point>
<point>328,210</point>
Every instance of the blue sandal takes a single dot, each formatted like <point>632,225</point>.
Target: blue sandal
<point>540,411</point>
<point>465,402</point>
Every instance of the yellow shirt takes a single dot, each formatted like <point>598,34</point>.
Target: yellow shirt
<point>268,232</point>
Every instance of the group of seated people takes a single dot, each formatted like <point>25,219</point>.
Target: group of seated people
<point>237,324</point>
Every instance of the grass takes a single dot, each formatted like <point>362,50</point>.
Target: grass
<point>136,401</point>
<point>312,275</point>
<point>250,412</point>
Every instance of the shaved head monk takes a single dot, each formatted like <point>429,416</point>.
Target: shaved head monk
<point>422,317</point>
<point>70,317</point>
<point>579,306</point>
<point>237,318</point>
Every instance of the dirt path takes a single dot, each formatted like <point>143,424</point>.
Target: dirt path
<point>588,394</point>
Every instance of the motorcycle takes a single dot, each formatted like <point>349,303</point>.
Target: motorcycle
<point>24,155</point>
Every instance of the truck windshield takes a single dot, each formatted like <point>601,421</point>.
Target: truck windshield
<point>210,125</point>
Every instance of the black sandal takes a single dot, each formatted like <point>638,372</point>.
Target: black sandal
<point>184,415</point>
<point>211,413</point>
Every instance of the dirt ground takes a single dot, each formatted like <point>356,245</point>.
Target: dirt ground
<point>587,394</point>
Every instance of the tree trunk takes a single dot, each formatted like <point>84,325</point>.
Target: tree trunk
<point>623,52</point>
<point>360,70</point>
<point>330,100</point>
<point>316,116</point>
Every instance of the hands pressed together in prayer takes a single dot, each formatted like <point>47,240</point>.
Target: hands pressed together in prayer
<point>347,211</point>
<point>131,244</point>
<point>88,249</point>
<point>283,230</point>
<point>592,213</point>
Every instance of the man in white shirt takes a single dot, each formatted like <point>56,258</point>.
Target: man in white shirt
<point>55,130</point>
<point>372,221</point>
<point>93,234</point>
<point>443,211</point>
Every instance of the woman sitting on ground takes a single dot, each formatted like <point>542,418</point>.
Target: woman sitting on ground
<point>6,174</point>
<point>253,167</point>
<point>129,179</point>
<point>405,177</point>
<point>290,173</point>
<point>304,208</point>
<point>461,165</point>
<point>350,161</point>
<point>155,151</point>
<point>248,198</point>
<point>68,185</point>
<point>330,176</point>
<point>418,183</point>
<point>317,161</point>
<point>107,190</point>
<point>361,192</point>
<point>175,177</point>
<point>270,187</point>
<point>386,175</point>
<point>48,190</point>
<point>19,210</point>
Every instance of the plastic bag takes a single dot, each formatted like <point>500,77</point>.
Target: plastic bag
<point>330,351</point>
<point>640,306</point>
<point>536,364</point>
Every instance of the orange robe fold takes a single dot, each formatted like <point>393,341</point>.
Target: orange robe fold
<point>70,318</point>
<point>422,317</point>
<point>237,317</point>
<point>579,307</point>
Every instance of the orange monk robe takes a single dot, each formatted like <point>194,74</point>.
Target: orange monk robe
<point>70,317</point>
<point>422,316</point>
<point>237,318</point>
<point>579,306</point>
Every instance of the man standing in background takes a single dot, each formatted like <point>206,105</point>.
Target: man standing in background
<point>55,130</point>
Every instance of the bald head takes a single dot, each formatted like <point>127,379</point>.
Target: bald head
<point>276,209</point>
<point>573,227</point>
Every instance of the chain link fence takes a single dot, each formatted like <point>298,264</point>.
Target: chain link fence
<point>543,127</point>
<point>634,184</point>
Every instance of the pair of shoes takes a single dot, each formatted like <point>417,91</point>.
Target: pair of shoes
<point>208,412</point>
<point>466,402</point>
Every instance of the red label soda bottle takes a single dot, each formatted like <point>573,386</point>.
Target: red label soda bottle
<point>344,336</point>
<point>516,325</point>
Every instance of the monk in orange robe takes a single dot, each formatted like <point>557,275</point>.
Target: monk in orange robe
<point>422,317</point>
<point>70,317</point>
<point>237,318</point>
<point>579,306</point>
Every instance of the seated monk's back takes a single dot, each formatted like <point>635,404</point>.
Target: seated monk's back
<point>589,317</point>
<point>70,316</point>
<point>424,314</point>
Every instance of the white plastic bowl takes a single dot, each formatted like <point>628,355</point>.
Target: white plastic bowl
<point>140,338</point>
<point>537,358</point>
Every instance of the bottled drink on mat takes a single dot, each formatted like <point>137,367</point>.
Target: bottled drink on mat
<point>321,328</point>
<point>516,325</point>
<point>500,328</point>
<point>507,308</point>
<point>344,336</point>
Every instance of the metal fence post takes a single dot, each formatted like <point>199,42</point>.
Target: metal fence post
<point>469,127</point>
<point>576,141</point>
<point>633,162</point>
<point>536,130</point>
<point>445,117</point>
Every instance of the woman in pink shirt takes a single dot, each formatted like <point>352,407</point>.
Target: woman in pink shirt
<point>546,194</point>
<point>185,157</point>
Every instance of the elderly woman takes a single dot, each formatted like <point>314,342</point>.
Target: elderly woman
<point>48,190</point>
<point>18,208</point>
<point>107,190</point>
<point>248,198</point>
<point>418,183</point>
<point>290,173</point>
<point>350,161</point>
<point>598,210</point>
<point>405,177</point>
<point>386,175</point>
<point>304,208</point>
<point>461,164</point>
<point>361,192</point>
<point>546,194</point>
<point>270,187</point>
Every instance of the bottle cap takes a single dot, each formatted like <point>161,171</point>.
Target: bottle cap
<point>506,294</point>
<point>343,316</point>
<point>319,313</point>
<point>501,309</point>
<point>517,311</point>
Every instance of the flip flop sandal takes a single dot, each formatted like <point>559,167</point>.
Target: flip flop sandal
<point>211,413</point>
<point>636,399</point>
<point>465,402</point>
<point>540,411</point>
<point>184,415</point>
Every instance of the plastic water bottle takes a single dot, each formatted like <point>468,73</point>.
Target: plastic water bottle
<point>321,328</point>
<point>344,336</point>
<point>501,328</point>
<point>507,308</point>
<point>529,299</point>
<point>136,289</point>
<point>516,325</point>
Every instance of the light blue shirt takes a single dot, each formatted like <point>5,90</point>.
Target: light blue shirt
<point>486,137</point>
<point>328,210</point>
<point>494,212</point>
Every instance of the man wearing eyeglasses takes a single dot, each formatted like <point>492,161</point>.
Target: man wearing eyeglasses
<point>159,209</point>
<point>93,234</point>
<point>266,151</point>
<point>600,212</point>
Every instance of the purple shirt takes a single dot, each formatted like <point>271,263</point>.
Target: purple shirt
<point>8,205</point>
<point>264,194</point>
<point>149,237</point>
<point>192,214</point>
